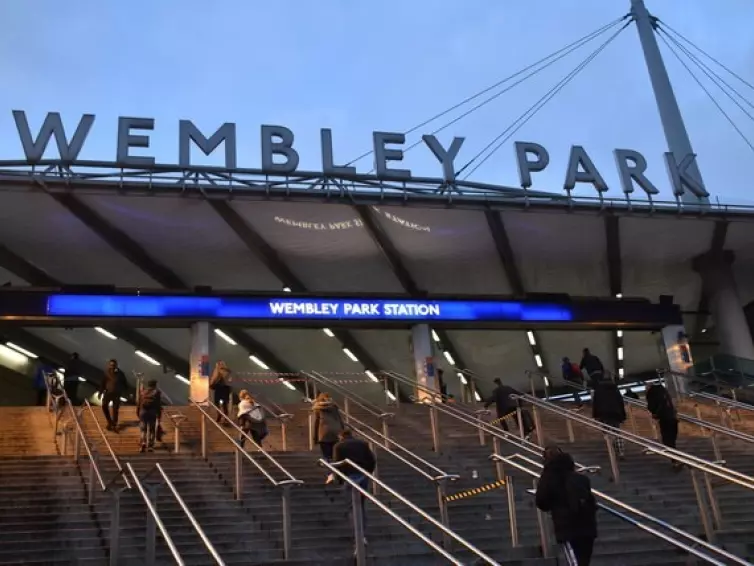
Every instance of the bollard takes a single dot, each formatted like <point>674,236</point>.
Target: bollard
<point>358,527</point>
<point>151,538</point>
<point>115,529</point>
<point>287,547</point>
<point>512,516</point>
<point>238,491</point>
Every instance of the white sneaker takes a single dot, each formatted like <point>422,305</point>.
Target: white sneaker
<point>330,479</point>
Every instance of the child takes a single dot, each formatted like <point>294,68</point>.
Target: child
<point>251,419</point>
<point>149,410</point>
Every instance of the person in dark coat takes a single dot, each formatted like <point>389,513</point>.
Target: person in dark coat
<point>149,410</point>
<point>660,404</point>
<point>442,385</point>
<point>593,367</point>
<point>114,385</point>
<point>567,496</point>
<point>505,404</point>
<point>357,451</point>
<point>71,378</point>
<point>572,375</point>
<point>328,424</point>
<point>219,383</point>
<point>40,383</point>
<point>609,408</point>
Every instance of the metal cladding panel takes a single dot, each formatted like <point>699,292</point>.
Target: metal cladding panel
<point>559,252</point>
<point>657,255</point>
<point>556,345</point>
<point>324,245</point>
<point>643,352</point>
<point>446,251</point>
<point>188,237</point>
<point>8,277</point>
<point>741,241</point>
<point>495,353</point>
<point>37,228</point>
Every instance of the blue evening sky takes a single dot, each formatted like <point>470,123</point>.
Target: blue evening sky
<point>358,66</point>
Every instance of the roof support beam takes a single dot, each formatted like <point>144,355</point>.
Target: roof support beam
<point>516,282</point>
<point>266,254</point>
<point>615,281</point>
<point>139,257</point>
<point>402,274</point>
<point>719,235</point>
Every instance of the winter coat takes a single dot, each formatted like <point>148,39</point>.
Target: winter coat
<point>592,364</point>
<point>501,397</point>
<point>358,452</point>
<point>114,381</point>
<point>552,497</point>
<point>72,370</point>
<point>660,404</point>
<point>327,421</point>
<point>607,404</point>
<point>251,418</point>
<point>150,403</point>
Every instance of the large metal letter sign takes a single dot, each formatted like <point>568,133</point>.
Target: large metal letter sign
<point>53,126</point>
<point>631,167</point>
<point>188,132</point>
<point>284,148</point>
<point>580,159</point>
<point>526,167</point>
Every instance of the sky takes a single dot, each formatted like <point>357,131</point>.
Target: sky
<point>357,67</point>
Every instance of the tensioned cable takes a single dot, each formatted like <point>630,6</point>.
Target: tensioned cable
<point>535,108</point>
<point>545,61</point>
<point>703,52</point>
<point>711,74</point>
<point>707,92</point>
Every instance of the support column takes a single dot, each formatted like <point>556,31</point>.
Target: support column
<point>424,361</point>
<point>676,344</point>
<point>202,348</point>
<point>725,304</point>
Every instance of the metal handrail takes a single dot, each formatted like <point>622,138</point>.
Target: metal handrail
<point>278,413</point>
<point>160,525</point>
<point>265,473</point>
<point>358,400</point>
<point>677,543</point>
<point>446,531</point>
<point>108,445</point>
<point>730,403</point>
<point>210,547</point>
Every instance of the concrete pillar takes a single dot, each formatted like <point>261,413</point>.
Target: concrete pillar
<point>424,361</point>
<point>676,344</point>
<point>725,305</point>
<point>200,358</point>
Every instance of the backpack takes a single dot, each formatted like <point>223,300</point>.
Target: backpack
<point>575,371</point>
<point>581,502</point>
<point>150,400</point>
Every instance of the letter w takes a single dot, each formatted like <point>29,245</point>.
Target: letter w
<point>34,149</point>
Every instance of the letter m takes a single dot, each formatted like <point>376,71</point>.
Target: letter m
<point>34,149</point>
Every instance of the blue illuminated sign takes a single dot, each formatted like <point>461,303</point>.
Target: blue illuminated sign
<point>206,308</point>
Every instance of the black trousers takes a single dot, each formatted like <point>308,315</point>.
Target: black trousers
<point>580,550</point>
<point>72,390</point>
<point>669,432</point>
<point>41,397</point>
<point>112,419</point>
<point>222,399</point>
<point>327,449</point>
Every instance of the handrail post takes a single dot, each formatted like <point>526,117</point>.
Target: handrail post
<point>66,441</point>
<point>92,479</point>
<point>544,538</point>
<point>376,472</point>
<point>538,424</point>
<point>311,431</point>
<point>613,459</point>
<point>177,438</point>
<point>358,528</point>
<point>385,428</point>
<point>631,418</point>
<point>482,439</point>
<point>76,447</point>
<point>499,470</point>
<point>238,489</point>
<point>569,429</point>
<point>203,428</point>
<point>115,528</point>
<point>397,393</point>
<point>284,433</point>
<point>441,486</point>
<point>433,422</point>
<point>716,515</point>
<point>151,535</point>
<point>287,545</point>
<point>346,406</point>
<point>703,510</point>
<point>512,515</point>
<point>520,418</point>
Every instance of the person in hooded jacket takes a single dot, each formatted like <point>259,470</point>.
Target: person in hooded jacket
<point>505,405</point>
<point>593,367</point>
<point>219,383</point>
<point>660,404</point>
<point>114,385</point>
<point>609,408</point>
<point>328,424</point>
<point>149,410</point>
<point>567,496</point>
<point>251,419</point>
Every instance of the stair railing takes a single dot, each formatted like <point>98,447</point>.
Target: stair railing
<point>149,494</point>
<point>349,398</point>
<point>240,454</point>
<point>620,510</point>
<point>109,446</point>
<point>357,492</point>
<point>273,410</point>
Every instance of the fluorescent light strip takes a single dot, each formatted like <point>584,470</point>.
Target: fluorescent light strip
<point>620,353</point>
<point>619,295</point>
<point>389,395</point>
<point>105,333</point>
<point>286,289</point>
<point>80,378</point>
<point>538,360</point>
<point>181,378</point>
<point>371,375</point>
<point>259,362</point>
<point>147,358</point>
<point>288,384</point>
<point>449,357</point>
<point>225,337</point>
<point>21,350</point>
<point>328,332</point>
<point>621,371</point>
<point>619,334</point>
<point>349,353</point>
<point>462,378</point>
<point>547,381</point>
<point>435,337</point>
<point>477,397</point>
<point>530,336</point>
<point>12,355</point>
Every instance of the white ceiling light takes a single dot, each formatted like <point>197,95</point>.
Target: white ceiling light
<point>530,336</point>
<point>619,334</point>
<point>21,350</point>
<point>704,330</point>
<point>618,295</point>
<point>620,353</point>
<point>349,353</point>
<point>477,397</point>
<point>80,378</point>
<point>259,362</point>
<point>389,395</point>
<point>621,371</point>
<point>371,375</point>
<point>449,357</point>
<point>123,400</point>
<point>435,337</point>
<point>181,378</point>
<point>547,381</point>
<point>12,355</point>
<point>147,358</point>
<point>105,333</point>
<point>328,332</point>
<point>288,384</point>
<point>462,378</point>
<point>538,360</point>
<point>225,337</point>
<point>286,289</point>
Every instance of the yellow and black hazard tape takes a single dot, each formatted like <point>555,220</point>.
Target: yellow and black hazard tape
<point>511,416</point>
<point>475,491</point>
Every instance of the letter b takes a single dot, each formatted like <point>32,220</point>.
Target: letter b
<point>283,146</point>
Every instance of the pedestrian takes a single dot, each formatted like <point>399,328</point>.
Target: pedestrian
<point>251,419</point>
<point>506,405</point>
<point>609,408</point>
<point>567,496</point>
<point>40,383</point>
<point>442,385</point>
<point>328,424</point>
<point>593,367</point>
<point>572,375</point>
<point>149,411</point>
<point>357,451</point>
<point>71,378</point>
<point>660,404</point>
<point>114,385</point>
<point>219,383</point>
